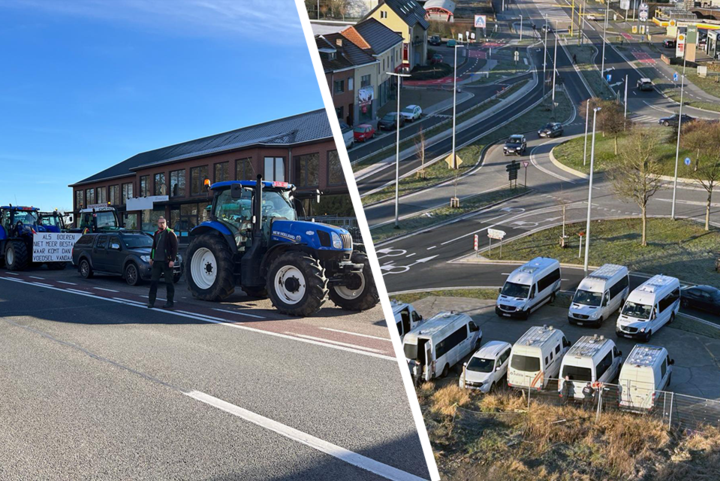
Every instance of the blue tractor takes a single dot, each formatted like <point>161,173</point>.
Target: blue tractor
<point>17,228</point>
<point>254,240</point>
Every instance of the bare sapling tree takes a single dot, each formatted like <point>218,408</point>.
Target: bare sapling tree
<point>563,201</point>
<point>420,147</point>
<point>611,120</point>
<point>636,174</point>
<point>703,139</point>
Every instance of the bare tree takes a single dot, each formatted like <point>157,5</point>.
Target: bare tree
<point>708,176</point>
<point>703,138</point>
<point>340,7</point>
<point>420,146</point>
<point>563,201</point>
<point>636,175</point>
<point>611,120</point>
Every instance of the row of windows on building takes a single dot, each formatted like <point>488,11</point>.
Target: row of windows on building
<point>307,174</point>
<point>339,85</point>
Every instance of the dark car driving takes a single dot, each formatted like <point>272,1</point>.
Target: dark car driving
<point>552,129</point>
<point>672,121</point>
<point>515,144</point>
<point>702,298</point>
<point>123,253</point>
<point>389,121</point>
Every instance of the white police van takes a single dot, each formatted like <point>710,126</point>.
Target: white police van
<point>648,369</point>
<point>599,295</point>
<point>649,307</point>
<point>528,287</point>
<point>439,343</point>
<point>536,357</point>
<point>591,359</point>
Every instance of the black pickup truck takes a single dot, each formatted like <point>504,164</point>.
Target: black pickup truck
<point>125,253</point>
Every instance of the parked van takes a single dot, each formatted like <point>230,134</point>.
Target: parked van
<point>528,287</point>
<point>536,357</point>
<point>647,369</point>
<point>486,367</point>
<point>442,341</point>
<point>649,307</point>
<point>599,295</point>
<point>406,317</point>
<point>591,359</point>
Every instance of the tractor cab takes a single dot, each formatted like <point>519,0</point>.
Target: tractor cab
<point>17,227</point>
<point>97,218</point>
<point>255,240</point>
<point>52,221</point>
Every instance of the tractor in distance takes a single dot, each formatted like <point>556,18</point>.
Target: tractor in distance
<point>18,225</point>
<point>97,218</point>
<point>254,240</point>
<point>53,221</point>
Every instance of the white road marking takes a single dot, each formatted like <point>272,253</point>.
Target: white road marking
<point>13,273</point>
<point>36,277</point>
<point>103,289</point>
<point>239,313</point>
<point>41,284</point>
<point>350,457</point>
<point>410,255</point>
<point>356,334</point>
<point>212,320</point>
<point>68,283</point>
<point>322,339</point>
<point>157,298</point>
<point>431,248</point>
<point>137,303</point>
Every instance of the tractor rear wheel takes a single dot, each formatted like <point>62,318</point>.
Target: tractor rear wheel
<point>209,268</point>
<point>16,256</point>
<point>296,284</point>
<point>360,293</point>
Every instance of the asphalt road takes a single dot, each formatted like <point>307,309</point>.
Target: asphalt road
<point>96,385</point>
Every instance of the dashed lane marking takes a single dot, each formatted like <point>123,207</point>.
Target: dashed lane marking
<point>239,313</point>
<point>322,339</point>
<point>68,283</point>
<point>356,334</point>
<point>36,277</point>
<point>107,290</point>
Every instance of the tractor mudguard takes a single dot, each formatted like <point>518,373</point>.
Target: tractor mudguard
<point>216,227</point>
<point>3,234</point>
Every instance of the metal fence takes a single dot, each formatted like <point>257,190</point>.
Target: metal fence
<point>677,411</point>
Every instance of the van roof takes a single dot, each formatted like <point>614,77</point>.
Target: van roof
<point>596,281</point>
<point>656,283</point>
<point>436,325</point>
<point>536,336</point>
<point>397,306</point>
<point>607,271</point>
<point>526,272</point>
<point>588,346</point>
<point>644,355</point>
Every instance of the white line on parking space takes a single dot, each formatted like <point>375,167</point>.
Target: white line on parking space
<point>350,457</point>
<point>103,289</point>
<point>68,283</point>
<point>356,334</point>
<point>322,339</point>
<point>36,277</point>
<point>239,313</point>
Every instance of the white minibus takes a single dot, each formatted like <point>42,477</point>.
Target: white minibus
<point>528,287</point>
<point>649,307</point>
<point>599,295</point>
<point>536,357</point>
<point>591,359</point>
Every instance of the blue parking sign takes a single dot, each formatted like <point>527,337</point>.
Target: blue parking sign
<point>675,77</point>
<point>687,160</point>
<point>480,21</point>
<point>608,77</point>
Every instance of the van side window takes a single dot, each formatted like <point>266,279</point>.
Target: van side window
<point>618,287</point>
<point>551,355</point>
<point>400,328</point>
<point>505,355</point>
<point>473,327</point>
<point>663,367</point>
<point>415,316</point>
<point>669,300</point>
<point>450,342</point>
<point>604,365</point>
<point>548,280</point>
<point>546,361</point>
<point>557,349</point>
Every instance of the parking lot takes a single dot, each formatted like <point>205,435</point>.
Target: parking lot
<point>696,370</point>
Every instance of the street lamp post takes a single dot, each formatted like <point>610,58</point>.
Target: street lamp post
<point>554,73</point>
<point>626,87</point>
<point>607,14</point>
<point>520,27</point>
<point>587,122</point>
<point>677,147</point>
<point>592,164</point>
<point>397,144</point>
<point>545,56</point>
<point>454,160</point>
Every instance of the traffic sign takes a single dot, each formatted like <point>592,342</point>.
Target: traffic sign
<point>675,77</point>
<point>517,56</point>
<point>449,161</point>
<point>687,161</point>
<point>526,163</point>
<point>513,166</point>
<point>496,234</point>
<point>608,77</point>
<point>480,21</point>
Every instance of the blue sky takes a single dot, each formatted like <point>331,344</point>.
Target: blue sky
<point>88,83</point>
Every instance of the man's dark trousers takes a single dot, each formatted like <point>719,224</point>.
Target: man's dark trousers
<point>159,268</point>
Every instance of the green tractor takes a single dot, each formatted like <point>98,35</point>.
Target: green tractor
<point>254,240</point>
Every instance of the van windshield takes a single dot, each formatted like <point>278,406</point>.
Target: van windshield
<point>577,373</point>
<point>640,311</point>
<point>477,364</point>
<point>410,350</point>
<point>525,363</point>
<point>515,290</point>
<point>587,298</point>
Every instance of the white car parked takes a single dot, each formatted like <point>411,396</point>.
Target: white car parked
<point>486,367</point>
<point>411,113</point>
<point>348,134</point>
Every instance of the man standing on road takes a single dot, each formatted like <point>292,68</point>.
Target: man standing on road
<point>162,260</point>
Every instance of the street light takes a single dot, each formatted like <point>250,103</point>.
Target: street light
<point>520,27</point>
<point>554,73</point>
<point>592,164</point>
<point>457,45</point>
<point>607,14</point>
<point>677,147</point>
<point>587,121</point>
<point>397,144</point>
<point>545,56</point>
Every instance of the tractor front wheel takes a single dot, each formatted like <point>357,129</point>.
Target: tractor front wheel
<point>296,284</point>
<point>16,256</point>
<point>209,268</point>
<point>360,293</point>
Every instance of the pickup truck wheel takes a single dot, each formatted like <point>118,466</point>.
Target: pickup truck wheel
<point>296,284</point>
<point>360,293</point>
<point>131,274</point>
<point>85,269</point>
<point>16,256</point>
<point>209,268</point>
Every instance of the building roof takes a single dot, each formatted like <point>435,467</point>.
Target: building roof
<point>347,54</point>
<point>409,10</point>
<point>372,36</point>
<point>446,5</point>
<point>297,129</point>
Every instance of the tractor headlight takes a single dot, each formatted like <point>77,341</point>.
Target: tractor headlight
<point>145,259</point>
<point>336,241</point>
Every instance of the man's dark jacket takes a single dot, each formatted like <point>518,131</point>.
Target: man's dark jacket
<point>170,244</point>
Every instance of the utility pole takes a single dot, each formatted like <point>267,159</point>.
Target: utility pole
<point>592,165</point>
<point>545,57</point>
<point>626,87</point>
<point>677,147</point>
<point>572,17</point>
<point>554,73</point>
<point>587,121</point>
<point>607,14</point>
<point>521,28</point>
<point>397,145</point>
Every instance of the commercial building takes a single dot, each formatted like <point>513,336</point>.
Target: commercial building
<point>407,17</point>
<point>169,181</point>
<point>440,10</point>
